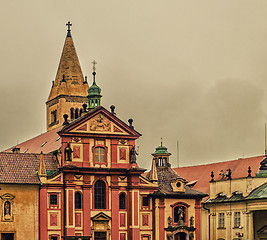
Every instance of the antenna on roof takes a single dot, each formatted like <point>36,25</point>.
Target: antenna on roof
<point>265,150</point>
<point>178,153</point>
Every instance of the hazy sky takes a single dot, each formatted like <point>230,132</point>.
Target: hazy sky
<point>191,70</point>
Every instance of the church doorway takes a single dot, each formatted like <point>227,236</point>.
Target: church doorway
<point>100,236</point>
<point>7,236</point>
<point>180,236</point>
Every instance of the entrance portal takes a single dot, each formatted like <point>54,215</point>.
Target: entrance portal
<point>100,236</point>
<point>7,236</point>
<point>180,236</point>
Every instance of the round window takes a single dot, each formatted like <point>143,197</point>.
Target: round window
<point>178,184</point>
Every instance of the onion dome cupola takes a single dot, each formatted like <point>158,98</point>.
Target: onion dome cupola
<point>161,156</point>
<point>94,91</point>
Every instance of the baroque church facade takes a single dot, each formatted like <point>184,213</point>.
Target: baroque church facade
<point>84,178</point>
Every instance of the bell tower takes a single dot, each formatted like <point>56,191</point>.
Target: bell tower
<point>69,90</point>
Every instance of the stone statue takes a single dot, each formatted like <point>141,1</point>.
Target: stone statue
<point>133,154</point>
<point>68,152</point>
<point>7,210</point>
<point>192,222</point>
<point>169,221</point>
<point>169,237</point>
<point>181,216</point>
<point>191,236</point>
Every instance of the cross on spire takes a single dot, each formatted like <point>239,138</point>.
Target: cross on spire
<point>69,25</point>
<point>94,63</point>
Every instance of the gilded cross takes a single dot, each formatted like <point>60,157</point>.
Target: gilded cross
<point>94,63</point>
<point>69,25</point>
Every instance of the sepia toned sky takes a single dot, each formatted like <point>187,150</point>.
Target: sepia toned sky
<point>185,70</point>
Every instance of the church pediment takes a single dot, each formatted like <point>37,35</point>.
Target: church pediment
<point>101,217</point>
<point>100,121</point>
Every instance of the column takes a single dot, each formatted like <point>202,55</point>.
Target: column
<point>114,208</point>
<point>198,219</point>
<point>87,210</point>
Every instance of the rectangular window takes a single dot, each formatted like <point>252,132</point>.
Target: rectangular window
<point>221,220</point>
<point>237,219</point>
<point>100,154</point>
<point>54,238</point>
<point>53,199</point>
<point>145,201</point>
<point>7,236</point>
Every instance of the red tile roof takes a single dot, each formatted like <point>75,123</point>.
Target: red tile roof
<point>202,173</point>
<point>46,143</point>
<point>21,167</point>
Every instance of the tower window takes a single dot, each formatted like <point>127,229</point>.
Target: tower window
<point>72,113</point>
<point>122,201</point>
<point>76,113</point>
<point>100,195</point>
<point>54,116</point>
<point>100,154</point>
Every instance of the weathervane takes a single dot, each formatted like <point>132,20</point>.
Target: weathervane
<point>68,25</point>
<point>94,63</point>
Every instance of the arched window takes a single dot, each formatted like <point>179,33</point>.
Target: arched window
<point>76,113</point>
<point>179,215</point>
<point>78,200</point>
<point>100,194</point>
<point>72,113</point>
<point>81,111</point>
<point>100,154</point>
<point>122,201</point>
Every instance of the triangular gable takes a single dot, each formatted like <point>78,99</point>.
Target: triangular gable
<point>100,121</point>
<point>146,183</point>
<point>101,217</point>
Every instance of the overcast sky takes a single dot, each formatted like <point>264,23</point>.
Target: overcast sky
<point>190,71</point>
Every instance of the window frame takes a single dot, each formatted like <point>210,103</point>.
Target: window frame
<point>148,202</point>
<point>221,221</point>
<point>237,219</point>
<point>122,194</point>
<point>57,197</point>
<point>105,153</point>
<point>105,198</point>
<point>75,201</point>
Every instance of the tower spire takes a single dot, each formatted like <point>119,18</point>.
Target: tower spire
<point>94,91</point>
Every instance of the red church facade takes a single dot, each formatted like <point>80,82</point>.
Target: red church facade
<point>98,189</point>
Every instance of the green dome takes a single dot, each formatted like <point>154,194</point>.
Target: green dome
<point>94,90</point>
<point>161,150</point>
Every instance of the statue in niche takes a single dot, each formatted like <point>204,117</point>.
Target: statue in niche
<point>7,210</point>
<point>191,236</point>
<point>133,154</point>
<point>181,214</point>
<point>169,237</point>
<point>192,222</point>
<point>68,152</point>
<point>169,221</point>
